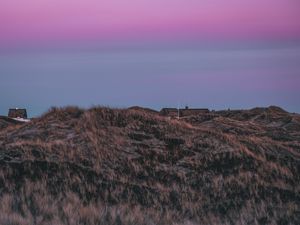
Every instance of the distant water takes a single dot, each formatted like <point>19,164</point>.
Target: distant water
<point>200,77</point>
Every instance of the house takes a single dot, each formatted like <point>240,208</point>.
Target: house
<point>194,111</point>
<point>17,113</point>
<point>173,112</point>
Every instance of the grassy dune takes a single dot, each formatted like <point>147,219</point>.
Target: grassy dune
<point>133,166</point>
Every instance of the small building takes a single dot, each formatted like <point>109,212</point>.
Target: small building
<point>193,111</point>
<point>173,112</point>
<point>17,113</point>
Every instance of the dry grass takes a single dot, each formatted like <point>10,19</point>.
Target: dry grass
<point>133,166</point>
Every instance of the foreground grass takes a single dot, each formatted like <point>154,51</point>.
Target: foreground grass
<point>115,166</point>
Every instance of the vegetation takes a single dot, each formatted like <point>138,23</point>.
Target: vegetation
<point>133,166</point>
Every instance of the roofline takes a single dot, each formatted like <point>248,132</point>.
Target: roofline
<point>184,109</point>
<point>17,109</point>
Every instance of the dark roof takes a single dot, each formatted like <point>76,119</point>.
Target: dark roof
<point>185,109</point>
<point>15,113</point>
<point>195,109</point>
<point>169,109</point>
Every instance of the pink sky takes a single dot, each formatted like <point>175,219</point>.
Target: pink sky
<point>30,21</point>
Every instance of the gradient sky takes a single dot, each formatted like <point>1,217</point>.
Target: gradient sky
<point>56,20</point>
<point>208,53</point>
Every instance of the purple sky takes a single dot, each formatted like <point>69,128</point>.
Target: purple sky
<point>208,53</point>
<point>46,21</point>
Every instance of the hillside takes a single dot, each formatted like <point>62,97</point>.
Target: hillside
<point>6,122</point>
<point>133,166</point>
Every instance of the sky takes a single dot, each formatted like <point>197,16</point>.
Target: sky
<point>209,53</point>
